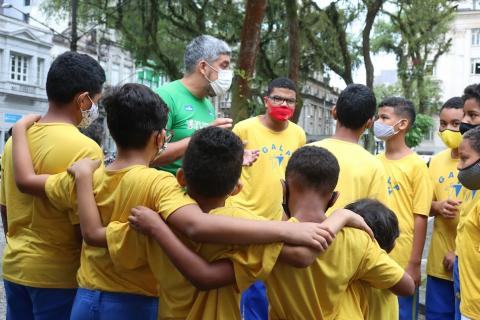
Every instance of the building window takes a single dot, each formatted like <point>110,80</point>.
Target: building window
<point>476,37</point>
<point>19,68</point>
<point>475,68</point>
<point>40,71</point>
<point>476,4</point>
<point>115,75</point>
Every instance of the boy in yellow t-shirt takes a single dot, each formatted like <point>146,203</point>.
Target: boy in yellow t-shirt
<point>374,303</point>
<point>135,117</point>
<point>410,190</point>
<point>42,252</point>
<point>468,240</point>
<point>276,138</point>
<point>447,195</point>
<point>316,292</point>
<point>361,174</point>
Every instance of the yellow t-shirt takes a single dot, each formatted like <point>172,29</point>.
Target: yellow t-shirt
<point>116,192</point>
<point>470,199</point>
<point>373,303</point>
<point>262,191</point>
<point>43,243</point>
<point>410,190</point>
<point>361,174</point>
<point>443,172</point>
<point>316,292</point>
<point>469,264</point>
<point>178,298</point>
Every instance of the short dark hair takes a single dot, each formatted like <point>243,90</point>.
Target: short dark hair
<point>72,73</point>
<point>473,136</point>
<point>281,82</point>
<point>213,162</point>
<point>453,103</point>
<point>401,107</point>
<point>134,112</point>
<point>472,92</point>
<point>380,219</point>
<point>355,106</point>
<point>316,168</point>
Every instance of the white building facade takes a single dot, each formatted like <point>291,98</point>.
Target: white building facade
<point>24,63</point>
<point>460,67</point>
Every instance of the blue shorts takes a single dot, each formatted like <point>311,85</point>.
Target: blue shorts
<point>440,299</point>
<point>29,303</point>
<point>254,302</point>
<point>408,306</point>
<point>456,287</point>
<point>101,305</point>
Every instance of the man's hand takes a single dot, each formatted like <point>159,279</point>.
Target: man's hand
<point>309,234</point>
<point>449,208</point>
<point>448,261</point>
<point>413,269</point>
<point>249,155</point>
<point>26,121</point>
<point>83,167</point>
<point>222,123</point>
<point>145,220</point>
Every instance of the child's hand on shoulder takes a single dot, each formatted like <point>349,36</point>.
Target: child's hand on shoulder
<point>145,220</point>
<point>353,220</point>
<point>83,167</point>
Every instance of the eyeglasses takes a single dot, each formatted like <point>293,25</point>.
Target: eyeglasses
<point>280,100</point>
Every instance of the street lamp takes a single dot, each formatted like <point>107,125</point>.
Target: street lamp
<point>7,5</point>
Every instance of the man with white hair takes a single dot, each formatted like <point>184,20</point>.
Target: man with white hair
<point>207,73</point>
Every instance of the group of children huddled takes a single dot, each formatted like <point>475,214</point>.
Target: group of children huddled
<point>128,241</point>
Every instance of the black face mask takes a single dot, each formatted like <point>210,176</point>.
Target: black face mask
<point>464,127</point>
<point>287,195</point>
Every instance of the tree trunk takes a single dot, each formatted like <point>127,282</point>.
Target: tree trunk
<point>249,45</point>
<point>372,10</point>
<point>294,51</point>
<point>73,27</point>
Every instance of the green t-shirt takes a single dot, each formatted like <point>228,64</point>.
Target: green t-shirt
<point>186,115</point>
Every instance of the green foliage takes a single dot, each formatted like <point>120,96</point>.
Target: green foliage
<point>421,127</point>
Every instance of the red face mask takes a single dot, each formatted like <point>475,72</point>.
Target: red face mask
<point>279,113</point>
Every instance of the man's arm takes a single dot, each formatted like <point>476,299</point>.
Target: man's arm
<point>26,179</point>
<point>93,231</point>
<point>3,210</point>
<point>419,234</point>
<point>174,151</point>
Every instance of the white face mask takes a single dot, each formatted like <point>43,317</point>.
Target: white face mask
<point>223,82</point>
<point>88,116</point>
<point>384,131</point>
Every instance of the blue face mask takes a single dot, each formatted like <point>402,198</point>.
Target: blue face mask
<point>384,131</point>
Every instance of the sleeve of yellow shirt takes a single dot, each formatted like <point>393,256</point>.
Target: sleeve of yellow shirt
<point>378,269</point>
<point>169,196</point>
<point>127,247</point>
<point>253,262</point>
<point>422,191</point>
<point>60,191</point>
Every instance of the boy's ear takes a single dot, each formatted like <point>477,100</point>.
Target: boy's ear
<point>82,100</point>
<point>333,199</point>
<point>403,125</point>
<point>181,178</point>
<point>334,112</point>
<point>236,190</point>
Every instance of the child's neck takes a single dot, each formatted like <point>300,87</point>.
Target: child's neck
<point>272,124</point>
<point>207,204</point>
<point>346,134</point>
<point>307,206</point>
<point>396,148</point>
<point>58,115</point>
<point>128,158</point>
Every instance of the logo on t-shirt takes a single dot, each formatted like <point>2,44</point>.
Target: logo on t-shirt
<point>392,185</point>
<point>188,107</point>
<point>277,154</point>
